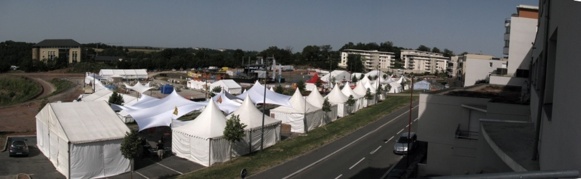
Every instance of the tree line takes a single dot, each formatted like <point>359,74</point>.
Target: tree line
<point>315,56</point>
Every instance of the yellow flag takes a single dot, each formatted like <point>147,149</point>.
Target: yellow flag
<point>175,111</point>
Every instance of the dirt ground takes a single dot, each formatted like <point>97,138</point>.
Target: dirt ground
<point>19,119</point>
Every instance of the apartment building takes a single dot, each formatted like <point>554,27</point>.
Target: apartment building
<point>424,62</point>
<point>519,36</point>
<point>506,129</point>
<point>372,59</point>
<point>477,68</point>
<point>51,49</point>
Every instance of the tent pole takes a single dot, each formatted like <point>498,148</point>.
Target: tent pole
<point>210,151</point>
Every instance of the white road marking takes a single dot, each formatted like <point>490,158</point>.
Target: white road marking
<point>407,125</point>
<point>416,119</point>
<point>340,149</point>
<point>170,168</point>
<point>400,131</point>
<point>388,139</point>
<point>340,175</point>
<point>372,152</point>
<point>142,175</point>
<point>356,163</point>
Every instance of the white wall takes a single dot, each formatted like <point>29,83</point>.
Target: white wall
<point>479,69</point>
<point>522,35</point>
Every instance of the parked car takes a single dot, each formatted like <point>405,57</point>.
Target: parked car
<point>401,145</point>
<point>18,148</point>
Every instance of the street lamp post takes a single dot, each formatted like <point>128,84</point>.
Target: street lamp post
<point>263,109</point>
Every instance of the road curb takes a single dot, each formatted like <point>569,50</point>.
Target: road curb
<point>8,138</point>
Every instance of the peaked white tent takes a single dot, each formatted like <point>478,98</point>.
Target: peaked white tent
<point>373,90</point>
<point>104,94</point>
<point>395,87</point>
<point>347,91</point>
<point>225,104</point>
<point>138,87</point>
<point>317,100</point>
<point>361,91</point>
<point>374,73</point>
<point>201,140</point>
<point>337,98</point>
<point>339,75</point>
<point>301,115</point>
<point>227,85</point>
<point>82,140</point>
<point>256,93</point>
<point>252,117</point>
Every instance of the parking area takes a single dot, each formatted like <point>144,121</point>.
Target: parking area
<point>38,166</point>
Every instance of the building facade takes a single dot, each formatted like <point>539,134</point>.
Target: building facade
<point>51,49</point>
<point>371,59</point>
<point>477,67</point>
<point>424,62</point>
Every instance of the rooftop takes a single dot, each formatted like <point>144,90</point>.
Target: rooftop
<point>497,93</point>
<point>58,43</point>
<point>513,142</point>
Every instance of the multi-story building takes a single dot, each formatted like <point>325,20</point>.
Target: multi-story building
<point>518,39</point>
<point>424,62</point>
<point>371,59</point>
<point>505,129</point>
<point>476,68</point>
<point>51,49</point>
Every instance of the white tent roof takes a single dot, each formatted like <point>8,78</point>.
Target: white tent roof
<point>105,94</point>
<point>298,105</point>
<point>257,95</point>
<point>231,84</point>
<point>225,104</point>
<point>209,124</point>
<point>356,75</point>
<point>360,89</point>
<point>251,116</point>
<point>347,91</point>
<point>138,87</point>
<point>336,96</point>
<point>316,99</point>
<point>374,73</point>
<point>339,75</point>
<point>371,86</point>
<point>84,122</point>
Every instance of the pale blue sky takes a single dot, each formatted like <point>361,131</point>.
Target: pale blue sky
<point>459,25</point>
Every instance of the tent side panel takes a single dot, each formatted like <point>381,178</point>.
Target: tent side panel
<point>180,144</point>
<point>341,111</point>
<point>220,150</point>
<point>315,119</point>
<point>87,160</point>
<point>42,137</point>
<point>63,156</point>
<point>199,151</point>
<point>115,163</point>
<point>294,119</point>
<point>242,147</point>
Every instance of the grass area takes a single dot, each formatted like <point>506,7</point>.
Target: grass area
<point>61,85</point>
<point>17,89</point>
<point>291,148</point>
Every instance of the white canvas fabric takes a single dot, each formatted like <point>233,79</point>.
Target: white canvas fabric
<point>227,85</point>
<point>316,99</point>
<point>337,98</point>
<point>201,140</point>
<point>347,91</point>
<point>361,91</point>
<point>123,73</point>
<point>375,73</point>
<point>138,87</point>
<point>225,104</point>
<point>339,75</point>
<point>256,93</point>
<point>252,117</point>
<point>105,94</point>
<point>82,140</point>
<point>302,116</point>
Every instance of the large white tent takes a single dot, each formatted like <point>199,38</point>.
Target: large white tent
<point>256,93</point>
<point>252,117</point>
<point>138,87</point>
<point>338,75</point>
<point>337,98</point>
<point>201,140</point>
<point>347,91</point>
<point>372,90</point>
<point>361,91</point>
<point>301,115</point>
<point>109,74</point>
<point>104,94</point>
<point>317,100</point>
<point>227,85</point>
<point>226,104</point>
<point>82,140</point>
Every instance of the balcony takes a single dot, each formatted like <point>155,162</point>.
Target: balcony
<point>505,51</point>
<point>506,36</point>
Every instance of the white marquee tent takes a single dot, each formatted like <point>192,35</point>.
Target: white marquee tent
<point>337,98</point>
<point>347,91</point>
<point>201,140</point>
<point>82,140</point>
<point>104,95</point>
<point>301,115</point>
<point>226,104</point>
<point>109,74</point>
<point>317,100</point>
<point>339,75</point>
<point>227,85</point>
<point>138,87</point>
<point>252,117</point>
<point>361,91</point>
<point>256,93</point>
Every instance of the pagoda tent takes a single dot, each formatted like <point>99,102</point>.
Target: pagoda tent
<point>395,87</point>
<point>347,91</point>
<point>317,100</point>
<point>252,118</point>
<point>361,91</point>
<point>256,93</point>
<point>311,84</point>
<point>224,103</point>
<point>138,87</point>
<point>373,90</point>
<point>338,75</point>
<point>202,140</point>
<point>301,115</point>
<point>227,85</point>
<point>337,98</point>
<point>82,140</point>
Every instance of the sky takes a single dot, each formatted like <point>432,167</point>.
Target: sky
<point>474,26</point>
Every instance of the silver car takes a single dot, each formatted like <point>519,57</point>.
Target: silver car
<point>401,145</point>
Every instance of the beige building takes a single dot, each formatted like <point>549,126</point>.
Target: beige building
<point>416,61</point>
<point>372,59</point>
<point>51,49</point>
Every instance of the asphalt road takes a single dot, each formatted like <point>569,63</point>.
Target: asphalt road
<point>366,153</point>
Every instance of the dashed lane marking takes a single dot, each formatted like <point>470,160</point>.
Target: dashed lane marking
<point>356,163</point>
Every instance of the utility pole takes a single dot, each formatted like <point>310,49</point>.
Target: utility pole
<point>263,108</point>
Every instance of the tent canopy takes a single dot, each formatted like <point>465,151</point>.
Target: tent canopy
<point>314,79</point>
<point>251,116</point>
<point>347,91</point>
<point>256,94</point>
<point>225,103</point>
<point>140,88</point>
<point>227,85</point>
<point>209,124</point>
<point>298,105</point>
<point>339,75</point>
<point>336,96</point>
<point>316,99</point>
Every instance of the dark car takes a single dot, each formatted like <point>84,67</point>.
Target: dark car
<point>401,145</point>
<point>18,148</point>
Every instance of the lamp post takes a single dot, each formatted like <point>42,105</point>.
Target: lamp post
<point>263,109</point>
<point>410,118</point>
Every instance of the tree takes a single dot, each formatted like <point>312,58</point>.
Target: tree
<point>448,53</point>
<point>379,91</point>
<point>279,89</point>
<point>350,101</point>
<point>368,95</point>
<point>116,98</point>
<point>326,108</point>
<point>354,63</point>
<point>217,89</point>
<point>423,48</point>
<point>318,83</point>
<point>130,147</point>
<point>234,131</point>
<point>354,79</point>
<point>301,86</point>
<point>436,50</point>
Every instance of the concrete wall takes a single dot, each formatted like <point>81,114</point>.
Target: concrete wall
<point>507,80</point>
<point>522,35</point>
<point>560,148</point>
<point>503,111</point>
<point>479,69</point>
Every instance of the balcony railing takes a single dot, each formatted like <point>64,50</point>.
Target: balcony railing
<point>466,134</point>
